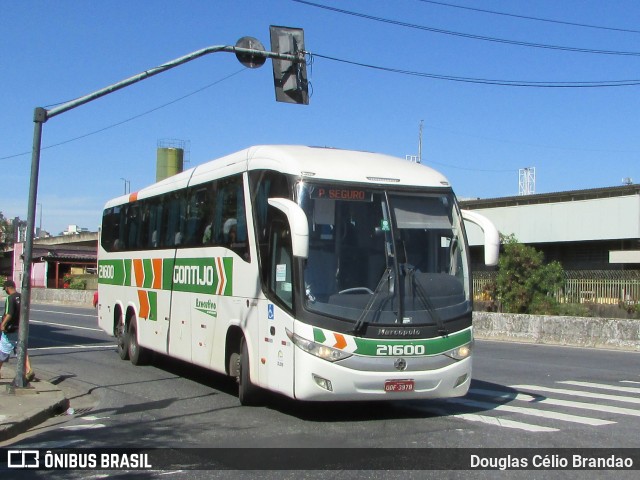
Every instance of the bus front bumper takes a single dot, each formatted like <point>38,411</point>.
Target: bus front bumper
<point>320,380</point>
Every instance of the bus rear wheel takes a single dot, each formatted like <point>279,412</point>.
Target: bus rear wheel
<point>137,354</point>
<point>249,394</point>
<point>122,338</point>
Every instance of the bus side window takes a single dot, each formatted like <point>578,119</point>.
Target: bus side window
<point>175,219</point>
<point>110,228</point>
<point>196,216</point>
<point>142,241</point>
<point>133,221</point>
<point>155,223</point>
<point>230,224</point>
<point>120,242</point>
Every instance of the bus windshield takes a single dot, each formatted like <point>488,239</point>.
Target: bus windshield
<point>384,257</point>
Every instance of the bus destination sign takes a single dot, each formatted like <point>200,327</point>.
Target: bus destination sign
<point>345,194</point>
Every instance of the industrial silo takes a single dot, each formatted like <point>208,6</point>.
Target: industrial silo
<point>170,158</point>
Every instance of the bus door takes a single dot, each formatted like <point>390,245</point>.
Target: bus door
<point>182,276</point>
<point>276,313</point>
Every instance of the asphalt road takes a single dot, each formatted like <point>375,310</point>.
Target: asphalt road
<point>522,396</point>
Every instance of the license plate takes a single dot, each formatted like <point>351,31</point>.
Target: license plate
<point>399,386</point>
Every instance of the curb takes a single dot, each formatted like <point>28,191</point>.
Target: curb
<point>26,408</point>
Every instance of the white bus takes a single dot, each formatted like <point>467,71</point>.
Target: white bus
<point>318,273</point>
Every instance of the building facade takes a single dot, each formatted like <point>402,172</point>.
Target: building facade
<point>595,229</point>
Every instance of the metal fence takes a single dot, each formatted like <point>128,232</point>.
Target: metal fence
<point>605,287</point>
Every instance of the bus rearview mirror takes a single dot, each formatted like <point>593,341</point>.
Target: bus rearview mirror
<point>491,235</point>
<point>299,225</point>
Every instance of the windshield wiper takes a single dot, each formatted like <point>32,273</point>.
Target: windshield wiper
<point>422,295</point>
<point>361,323</point>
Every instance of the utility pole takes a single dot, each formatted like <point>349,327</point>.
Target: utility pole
<point>127,185</point>
<point>420,142</point>
<point>40,224</point>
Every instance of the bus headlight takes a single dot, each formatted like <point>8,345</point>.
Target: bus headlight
<point>321,351</point>
<point>460,353</point>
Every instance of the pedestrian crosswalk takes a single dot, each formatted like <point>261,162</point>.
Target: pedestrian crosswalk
<point>543,408</point>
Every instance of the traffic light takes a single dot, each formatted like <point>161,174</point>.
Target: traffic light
<point>289,78</point>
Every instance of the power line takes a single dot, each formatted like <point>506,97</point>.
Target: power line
<point>537,19</point>
<point>135,117</point>
<point>468,35</point>
<point>486,81</point>
<point>470,169</point>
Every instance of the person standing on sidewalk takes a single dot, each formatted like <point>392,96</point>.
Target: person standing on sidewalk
<point>9,327</point>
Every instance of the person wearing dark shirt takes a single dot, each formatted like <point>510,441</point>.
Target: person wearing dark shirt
<point>9,327</point>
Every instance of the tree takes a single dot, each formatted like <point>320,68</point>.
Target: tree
<point>525,284</point>
<point>6,232</point>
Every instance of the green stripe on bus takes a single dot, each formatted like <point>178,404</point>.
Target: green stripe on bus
<point>193,275</point>
<point>147,266</point>
<point>200,275</point>
<point>227,265</point>
<point>167,273</point>
<point>127,273</point>
<point>318,335</point>
<point>111,272</point>
<point>429,346</point>
<point>153,305</point>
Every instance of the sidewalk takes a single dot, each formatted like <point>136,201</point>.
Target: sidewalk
<point>23,408</point>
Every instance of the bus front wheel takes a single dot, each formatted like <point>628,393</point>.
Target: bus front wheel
<point>248,393</point>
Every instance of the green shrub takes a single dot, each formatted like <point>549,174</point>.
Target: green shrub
<point>78,284</point>
<point>573,310</point>
<point>524,283</point>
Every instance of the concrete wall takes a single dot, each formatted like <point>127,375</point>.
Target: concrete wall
<point>611,333</point>
<point>80,298</point>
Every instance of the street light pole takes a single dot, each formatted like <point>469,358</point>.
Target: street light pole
<point>41,115</point>
<point>127,185</point>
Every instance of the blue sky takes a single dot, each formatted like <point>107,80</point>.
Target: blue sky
<point>478,135</point>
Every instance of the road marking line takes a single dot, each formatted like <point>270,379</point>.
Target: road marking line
<point>502,394</point>
<point>581,393</point>
<point>72,347</point>
<point>586,406</point>
<point>602,386</point>
<point>531,411</point>
<point>474,417</point>
<point>90,426</point>
<point>65,313</point>
<point>66,326</point>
